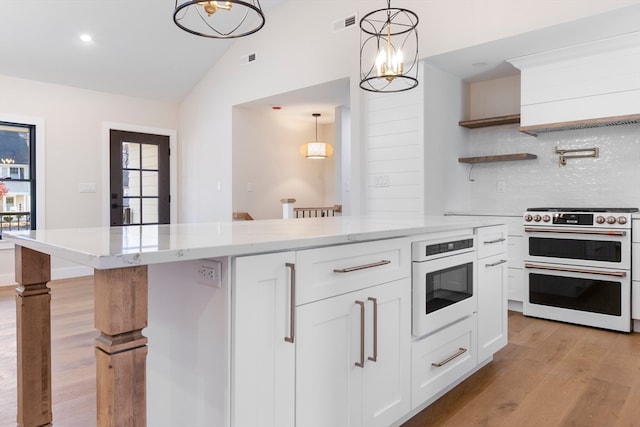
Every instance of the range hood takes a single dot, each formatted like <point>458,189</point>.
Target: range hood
<point>534,130</point>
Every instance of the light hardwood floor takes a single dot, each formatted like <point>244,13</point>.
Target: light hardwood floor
<point>550,374</point>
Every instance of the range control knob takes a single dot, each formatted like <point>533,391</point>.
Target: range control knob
<point>611,220</point>
<point>537,218</point>
<point>600,219</point>
<point>622,220</point>
<point>546,218</point>
<point>528,217</point>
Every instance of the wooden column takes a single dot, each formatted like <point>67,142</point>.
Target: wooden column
<point>33,335</point>
<point>121,350</point>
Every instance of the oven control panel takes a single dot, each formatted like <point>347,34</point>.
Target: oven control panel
<point>580,219</point>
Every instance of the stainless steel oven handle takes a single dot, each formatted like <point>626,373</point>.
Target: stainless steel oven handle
<point>567,231</point>
<point>577,270</point>
<point>459,353</point>
<point>361,267</point>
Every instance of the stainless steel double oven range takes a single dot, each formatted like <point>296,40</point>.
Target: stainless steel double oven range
<point>578,265</point>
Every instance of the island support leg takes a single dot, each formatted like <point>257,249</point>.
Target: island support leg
<point>121,351</point>
<point>33,336</point>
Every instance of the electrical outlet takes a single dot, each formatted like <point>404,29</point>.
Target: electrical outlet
<point>209,273</point>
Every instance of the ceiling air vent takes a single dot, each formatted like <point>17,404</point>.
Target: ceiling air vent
<point>631,119</point>
<point>344,23</point>
<point>248,59</point>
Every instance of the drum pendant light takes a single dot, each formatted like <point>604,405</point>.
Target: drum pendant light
<point>219,19</point>
<point>316,149</point>
<point>389,50</point>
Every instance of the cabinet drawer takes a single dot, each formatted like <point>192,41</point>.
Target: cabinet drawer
<point>335,270</point>
<point>492,240</point>
<point>428,380</point>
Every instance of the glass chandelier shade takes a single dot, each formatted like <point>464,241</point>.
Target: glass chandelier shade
<point>389,50</point>
<point>219,19</point>
<point>316,149</point>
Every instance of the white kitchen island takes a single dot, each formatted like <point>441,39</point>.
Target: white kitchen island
<point>220,350</point>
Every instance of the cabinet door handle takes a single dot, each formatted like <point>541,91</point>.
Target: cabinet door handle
<point>360,364</point>
<point>361,267</point>
<point>460,352</point>
<point>292,304</point>
<point>375,329</point>
<point>493,264</point>
<point>490,242</point>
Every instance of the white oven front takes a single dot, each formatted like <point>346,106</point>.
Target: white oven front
<point>598,297</point>
<point>595,248</point>
<point>444,289</point>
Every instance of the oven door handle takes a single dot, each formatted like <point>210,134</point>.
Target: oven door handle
<point>567,231</point>
<point>577,270</point>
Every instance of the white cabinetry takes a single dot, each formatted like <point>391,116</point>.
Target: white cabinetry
<point>263,362</point>
<point>441,359</point>
<point>353,369</point>
<point>492,290</point>
<point>635,279</point>
<point>353,335</point>
<point>608,85</point>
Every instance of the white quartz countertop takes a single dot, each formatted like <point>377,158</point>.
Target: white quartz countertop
<point>114,247</point>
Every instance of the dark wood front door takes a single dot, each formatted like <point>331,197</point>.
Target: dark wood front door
<point>139,178</point>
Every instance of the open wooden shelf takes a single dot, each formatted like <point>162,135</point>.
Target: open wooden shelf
<point>498,158</point>
<point>491,121</point>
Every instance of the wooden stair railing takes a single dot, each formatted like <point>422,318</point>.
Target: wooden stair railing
<point>314,212</point>
<point>242,216</point>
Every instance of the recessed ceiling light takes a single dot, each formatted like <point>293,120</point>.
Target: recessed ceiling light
<point>86,38</point>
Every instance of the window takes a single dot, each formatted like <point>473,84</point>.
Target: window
<point>17,177</point>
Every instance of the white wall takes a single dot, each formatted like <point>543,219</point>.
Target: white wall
<point>268,165</point>
<point>511,187</point>
<point>297,48</point>
<point>74,148</point>
<point>610,180</point>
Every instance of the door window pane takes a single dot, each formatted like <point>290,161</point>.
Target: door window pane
<point>149,156</point>
<point>149,211</point>
<point>149,183</point>
<point>17,186</point>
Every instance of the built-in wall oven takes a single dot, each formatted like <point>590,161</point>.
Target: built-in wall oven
<point>443,282</point>
<point>578,265</point>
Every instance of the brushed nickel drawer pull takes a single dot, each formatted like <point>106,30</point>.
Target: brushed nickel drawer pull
<point>360,364</point>
<point>460,352</point>
<point>493,264</point>
<point>292,304</point>
<point>490,242</point>
<point>375,329</point>
<point>361,267</point>
<point>577,270</point>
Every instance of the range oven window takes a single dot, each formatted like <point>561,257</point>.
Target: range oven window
<point>593,250</point>
<point>592,295</point>
<point>448,286</point>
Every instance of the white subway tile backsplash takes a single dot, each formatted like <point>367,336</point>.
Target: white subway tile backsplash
<point>613,179</point>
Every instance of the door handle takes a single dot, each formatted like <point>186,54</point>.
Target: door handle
<point>360,364</point>
<point>374,358</point>
<point>292,304</point>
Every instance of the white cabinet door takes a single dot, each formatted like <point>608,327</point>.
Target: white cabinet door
<point>492,305</point>
<point>328,382</point>
<point>263,362</point>
<point>353,358</point>
<point>386,382</point>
